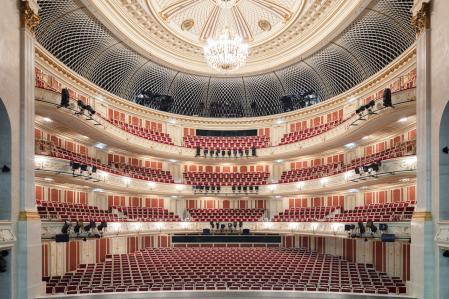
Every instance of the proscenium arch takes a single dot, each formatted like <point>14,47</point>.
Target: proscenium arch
<point>5,163</point>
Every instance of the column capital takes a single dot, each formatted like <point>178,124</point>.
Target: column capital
<point>29,15</point>
<point>421,15</point>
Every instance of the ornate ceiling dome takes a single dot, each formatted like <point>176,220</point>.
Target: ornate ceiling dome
<point>132,50</point>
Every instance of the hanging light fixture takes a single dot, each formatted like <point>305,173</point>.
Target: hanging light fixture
<point>228,52</point>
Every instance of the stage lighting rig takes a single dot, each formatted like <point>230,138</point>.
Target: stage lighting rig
<point>66,227</point>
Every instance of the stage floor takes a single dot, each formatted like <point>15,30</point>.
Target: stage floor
<point>225,295</point>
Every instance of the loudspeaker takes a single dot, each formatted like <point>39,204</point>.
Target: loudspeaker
<point>62,238</point>
<point>245,231</point>
<point>387,98</point>
<point>387,237</point>
<point>65,97</point>
<point>253,151</point>
<point>198,151</point>
<point>206,231</point>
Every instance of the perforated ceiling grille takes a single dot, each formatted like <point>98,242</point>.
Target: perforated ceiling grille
<point>381,33</point>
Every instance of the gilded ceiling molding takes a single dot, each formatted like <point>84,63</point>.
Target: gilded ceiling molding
<point>176,7</point>
<point>210,26</point>
<point>242,26</point>
<point>421,16</point>
<point>275,8</point>
<point>30,15</point>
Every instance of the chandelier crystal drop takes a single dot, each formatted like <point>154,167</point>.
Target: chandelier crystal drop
<point>226,53</point>
<point>226,4</point>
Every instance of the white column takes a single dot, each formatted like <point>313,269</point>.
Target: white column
<point>422,246</point>
<point>29,251</point>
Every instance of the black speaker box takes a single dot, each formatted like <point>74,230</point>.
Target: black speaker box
<point>388,237</point>
<point>62,238</point>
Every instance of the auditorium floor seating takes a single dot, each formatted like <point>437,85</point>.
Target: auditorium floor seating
<point>304,214</point>
<point>233,144</point>
<point>136,172</point>
<point>316,172</point>
<point>166,269</point>
<point>206,215</point>
<point>56,211</point>
<point>143,132</point>
<point>226,178</point>
<point>309,132</point>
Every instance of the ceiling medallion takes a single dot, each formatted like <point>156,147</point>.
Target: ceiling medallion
<point>264,25</point>
<point>225,4</point>
<point>227,53</point>
<point>188,24</point>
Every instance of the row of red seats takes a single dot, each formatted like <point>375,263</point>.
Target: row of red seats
<point>226,179</point>
<point>309,132</point>
<point>52,211</point>
<point>143,213</point>
<point>167,269</point>
<point>304,214</point>
<point>143,132</point>
<point>316,172</point>
<point>226,143</point>
<point>381,212</point>
<point>142,173</point>
<point>230,215</point>
<point>136,172</point>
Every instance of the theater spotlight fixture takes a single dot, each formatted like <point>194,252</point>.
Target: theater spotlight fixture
<point>102,225</point>
<point>372,227</point>
<point>77,227</point>
<point>446,253</point>
<point>445,150</point>
<point>362,229</point>
<point>81,107</point>
<point>383,226</point>
<point>3,264</point>
<point>66,227</point>
<point>5,169</point>
<point>90,110</point>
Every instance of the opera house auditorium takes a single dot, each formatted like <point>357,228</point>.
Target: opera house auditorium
<point>224,149</point>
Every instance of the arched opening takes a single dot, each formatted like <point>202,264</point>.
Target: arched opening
<point>444,165</point>
<point>5,164</point>
<point>5,195</point>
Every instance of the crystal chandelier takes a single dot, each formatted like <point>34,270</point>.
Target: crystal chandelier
<point>227,53</point>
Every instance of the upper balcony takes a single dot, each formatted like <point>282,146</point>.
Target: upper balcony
<point>148,132</point>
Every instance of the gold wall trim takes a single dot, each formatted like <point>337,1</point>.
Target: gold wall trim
<point>29,216</point>
<point>422,216</point>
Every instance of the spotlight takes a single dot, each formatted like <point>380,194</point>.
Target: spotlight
<point>383,226</point>
<point>5,169</point>
<point>446,253</point>
<point>222,227</point>
<point>372,227</point>
<point>240,224</point>
<point>78,226</point>
<point>88,227</point>
<point>445,150</point>
<point>83,167</point>
<point>357,170</point>
<point>3,264</point>
<point>349,227</point>
<point>65,98</point>
<point>102,225</point>
<point>362,229</point>
<point>66,227</point>
<point>387,98</point>
<point>211,224</point>
<point>81,106</point>
<point>90,110</point>
<point>75,165</point>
